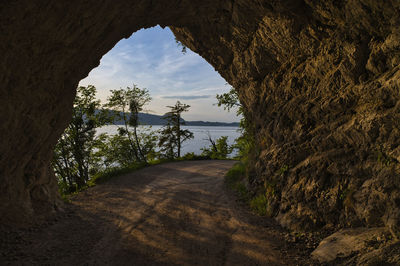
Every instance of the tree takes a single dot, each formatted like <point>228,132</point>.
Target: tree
<point>172,135</point>
<point>73,155</point>
<point>130,100</point>
<point>218,149</point>
<point>245,143</point>
<point>230,100</point>
<point>115,152</point>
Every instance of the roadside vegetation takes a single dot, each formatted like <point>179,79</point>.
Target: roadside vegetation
<point>172,135</point>
<point>240,177</point>
<point>83,158</point>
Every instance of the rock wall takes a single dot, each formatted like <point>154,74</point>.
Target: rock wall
<point>321,83</point>
<point>320,80</point>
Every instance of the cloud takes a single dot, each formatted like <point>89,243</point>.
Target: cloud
<point>187,97</point>
<point>151,59</point>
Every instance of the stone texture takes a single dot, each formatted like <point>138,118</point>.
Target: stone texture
<point>321,82</point>
<point>387,255</point>
<point>346,242</point>
<point>318,79</point>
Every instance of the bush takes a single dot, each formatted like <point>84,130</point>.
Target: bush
<point>259,204</point>
<point>192,156</point>
<point>235,174</point>
<point>235,180</point>
<point>218,149</point>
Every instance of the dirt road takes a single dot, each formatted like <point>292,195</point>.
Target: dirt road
<point>169,214</point>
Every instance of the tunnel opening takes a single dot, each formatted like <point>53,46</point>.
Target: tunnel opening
<point>106,136</point>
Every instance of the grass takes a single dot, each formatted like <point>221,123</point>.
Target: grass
<point>234,179</point>
<point>259,204</point>
<point>235,174</point>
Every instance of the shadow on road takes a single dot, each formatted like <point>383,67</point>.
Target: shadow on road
<point>170,214</point>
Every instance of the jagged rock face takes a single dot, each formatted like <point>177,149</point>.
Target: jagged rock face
<point>320,81</point>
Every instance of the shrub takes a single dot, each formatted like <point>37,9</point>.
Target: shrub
<point>234,180</point>
<point>192,156</point>
<point>235,174</point>
<point>218,149</point>
<point>259,204</point>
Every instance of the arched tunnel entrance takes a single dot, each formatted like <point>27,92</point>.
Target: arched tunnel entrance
<point>106,135</point>
<point>319,82</point>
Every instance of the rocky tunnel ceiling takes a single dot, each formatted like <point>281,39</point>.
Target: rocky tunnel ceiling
<point>319,81</point>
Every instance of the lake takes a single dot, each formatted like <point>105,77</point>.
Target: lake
<point>200,133</point>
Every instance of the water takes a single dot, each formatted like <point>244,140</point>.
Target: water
<point>200,133</point>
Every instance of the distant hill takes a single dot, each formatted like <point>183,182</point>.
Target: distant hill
<point>157,120</point>
<point>149,119</point>
<point>211,124</point>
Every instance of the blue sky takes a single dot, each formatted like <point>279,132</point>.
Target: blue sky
<point>151,59</point>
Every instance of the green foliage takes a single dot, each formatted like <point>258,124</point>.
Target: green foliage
<point>242,192</point>
<point>234,179</point>
<point>116,149</point>
<point>259,204</point>
<point>148,141</point>
<point>218,149</point>
<point>64,190</point>
<point>235,174</point>
<point>172,135</point>
<point>247,151</point>
<point>222,147</point>
<point>167,142</point>
<point>81,158</point>
<point>230,100</point>
<point>133,100</point>
<point>244,145</point>
<point>191,156</point>
<point>73,155</point>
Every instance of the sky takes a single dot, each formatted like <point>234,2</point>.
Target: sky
<point>151,59</point>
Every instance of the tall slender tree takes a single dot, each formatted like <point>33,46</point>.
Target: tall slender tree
<point>127,104</point>
<point>172,135</point>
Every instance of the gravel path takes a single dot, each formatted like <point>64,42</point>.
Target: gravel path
<point>170,214</point>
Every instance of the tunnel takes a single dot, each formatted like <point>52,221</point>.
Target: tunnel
<point>319,82</point>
